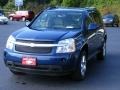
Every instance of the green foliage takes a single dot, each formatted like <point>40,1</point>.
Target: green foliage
<point>56,2</point>
<point>104,6</point>
<point>71,3</point>
<point>10,5</point>
<point>3,2</point>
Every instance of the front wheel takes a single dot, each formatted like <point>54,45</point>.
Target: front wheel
<point>102,54</point>
<point>23,18</point>
<point>80,72</point>
<point>112,24</point>
<point>117,25</point>
<point>6,23</point>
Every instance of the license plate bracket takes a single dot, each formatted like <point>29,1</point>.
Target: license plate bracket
<point>29,61</point>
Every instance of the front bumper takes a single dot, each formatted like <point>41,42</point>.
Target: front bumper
<point>3,21</point>
<point>57,65</point>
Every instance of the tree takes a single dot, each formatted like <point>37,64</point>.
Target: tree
<point>71,3</point>
<point>56,2</point>
<point>3,2</point>
<point>38,1</point>
<point>10,5</point>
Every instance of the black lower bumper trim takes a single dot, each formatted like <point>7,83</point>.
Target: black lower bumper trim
<point>49,70</point>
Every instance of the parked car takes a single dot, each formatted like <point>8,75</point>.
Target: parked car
<point>22,15</point>
<point>59,41</point>
<point>110,19</point>
<point>3,18</point>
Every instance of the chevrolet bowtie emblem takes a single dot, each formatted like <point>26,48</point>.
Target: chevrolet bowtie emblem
<point>32,45</point>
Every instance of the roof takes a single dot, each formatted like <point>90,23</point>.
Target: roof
<point>71,9</point>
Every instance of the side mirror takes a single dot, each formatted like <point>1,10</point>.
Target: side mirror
<point>93,26</point>
<point>27,23</point>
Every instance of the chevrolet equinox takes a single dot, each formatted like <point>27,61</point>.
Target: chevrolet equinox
<point>59,41</point>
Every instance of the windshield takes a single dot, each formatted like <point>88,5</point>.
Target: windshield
<point>108,16</point>
<point>58,20</point>
<point>1,14</point>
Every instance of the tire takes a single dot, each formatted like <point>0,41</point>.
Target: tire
<point>112,25</point>
<point>11,18</point>
<point>6,23</point>
<point>16,73</point>
<point>102,54</point>
<point>117,25</point>
<point>81,69</point>
<point>23,18</point>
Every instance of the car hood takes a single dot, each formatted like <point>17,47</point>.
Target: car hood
<point>3,17</point>
<point>45,35</point>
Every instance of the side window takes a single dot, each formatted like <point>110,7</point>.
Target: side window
<point>96,17</point>
<point>87,22</point>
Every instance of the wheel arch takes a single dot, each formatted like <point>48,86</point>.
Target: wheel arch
<point>85,48</point>
<point>105,38</point>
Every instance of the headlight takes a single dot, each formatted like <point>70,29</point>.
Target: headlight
<point>10,42</point>
<point>104,20</point>
<point>67,45</point>
<point>6,19</point>
<point>111,20</point>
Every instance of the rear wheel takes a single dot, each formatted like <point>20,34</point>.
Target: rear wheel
<point>11,18</point>
<point>101,55</point>
<point>80,72</point>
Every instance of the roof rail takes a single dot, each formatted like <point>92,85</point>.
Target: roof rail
<point>51,7</point>
<point>90,7</point>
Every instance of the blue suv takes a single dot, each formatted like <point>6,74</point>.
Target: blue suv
<point>59,41</point>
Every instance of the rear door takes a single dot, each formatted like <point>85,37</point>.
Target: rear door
<point>18,15</point>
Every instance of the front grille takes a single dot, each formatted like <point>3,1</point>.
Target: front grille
<point>36,42</point>
<point>29,49</point>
